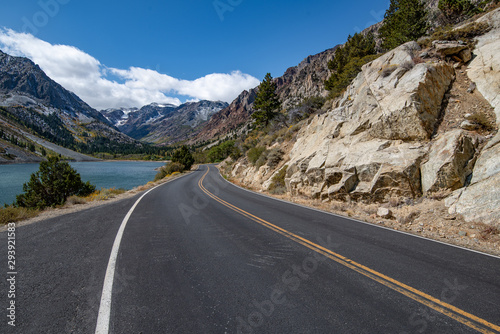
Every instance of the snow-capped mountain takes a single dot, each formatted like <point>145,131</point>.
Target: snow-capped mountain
<point>163,123</point>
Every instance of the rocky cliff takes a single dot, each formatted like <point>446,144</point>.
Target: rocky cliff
<point>411,124</point>
<point>297,83</point>
<point>481,199</point>
<point>228,119</point>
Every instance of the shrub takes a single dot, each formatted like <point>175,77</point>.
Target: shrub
<point>278,185</point>
<point>104,194</point>
<point>52,184</point>
<point>254,153</point>
<point>74,200</point>
<point>274,157</point>
<point>489,231</point>
<point>169,169</point>
<point>222,151</point>
<point>457,10</point>
<point>467,33</point>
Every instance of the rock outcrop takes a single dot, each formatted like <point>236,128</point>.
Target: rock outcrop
<point>480,201</point>
<point>451,161</point>
<point>407,126</point>
<point>370,147</point>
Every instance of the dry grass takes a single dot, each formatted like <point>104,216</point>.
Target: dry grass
<point>75,200</point>
<point>104,194</point>
<point>12,214</point>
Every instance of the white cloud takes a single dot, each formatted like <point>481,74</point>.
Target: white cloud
<point>84,75</point>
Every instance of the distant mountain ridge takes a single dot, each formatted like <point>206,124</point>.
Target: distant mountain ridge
<point>22,82</point>
<point>30,100</point>
<point>163,123</point>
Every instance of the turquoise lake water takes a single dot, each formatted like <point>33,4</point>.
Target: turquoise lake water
<point>103,174</point>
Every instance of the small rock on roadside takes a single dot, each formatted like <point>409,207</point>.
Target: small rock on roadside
<point>384,213</point>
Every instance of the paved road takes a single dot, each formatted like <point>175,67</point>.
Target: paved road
<point>199,255</point>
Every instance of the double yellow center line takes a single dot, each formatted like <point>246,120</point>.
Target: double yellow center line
<point>451,311</point>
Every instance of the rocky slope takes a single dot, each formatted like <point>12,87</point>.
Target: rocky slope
<point>406,127</point>
<point>227,119</point>
<point>297,83</point>
<point>165,124</point>
<point>23,83</point>
<point>481,199</point>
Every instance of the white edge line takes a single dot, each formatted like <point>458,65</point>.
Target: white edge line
<point>104,315</point>
<point>359,221</point>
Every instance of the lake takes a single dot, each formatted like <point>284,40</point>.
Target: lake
<point>103,174</point>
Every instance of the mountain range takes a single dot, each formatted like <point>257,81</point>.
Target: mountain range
<point>38,112</point>
<point>163,124</point>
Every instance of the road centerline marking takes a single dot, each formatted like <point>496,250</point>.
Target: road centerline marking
<point>444,308</point>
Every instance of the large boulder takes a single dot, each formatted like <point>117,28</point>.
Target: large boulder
<point>481,200</point>
<point>484,69</point>
<point>451,160</point>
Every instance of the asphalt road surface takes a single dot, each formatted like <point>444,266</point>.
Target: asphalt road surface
<point>199,255</point>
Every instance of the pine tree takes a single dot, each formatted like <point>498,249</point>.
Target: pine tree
<point>267,102</point>
<point>52,184</point>
<point>348,60</point>
<point>184,157</point>
<point>404,21</point>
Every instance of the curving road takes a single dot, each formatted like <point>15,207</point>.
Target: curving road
<point>199,255</point>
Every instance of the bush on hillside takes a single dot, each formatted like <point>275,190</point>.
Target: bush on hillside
<point>222,151</point>
<point>52,184</point>
<point>278,185</point>
<point>255,153</point>
<point>466,33</point>
<point>274,157</point>
<point>457,10</point>
<point>11,214</point>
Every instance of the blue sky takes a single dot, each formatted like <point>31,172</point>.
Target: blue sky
<point>176,47</point>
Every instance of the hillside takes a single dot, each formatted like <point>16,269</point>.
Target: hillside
<point>412,143</point>
<point>297,84</point>
<point>32,103</point>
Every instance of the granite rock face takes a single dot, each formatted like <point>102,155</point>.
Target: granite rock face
<point>481,200</point>
<point>371,145</point>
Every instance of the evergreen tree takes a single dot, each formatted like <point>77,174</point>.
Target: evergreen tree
<point>52,184</point>
<point>348,60</point>
<point>404,21</point>
<point>457,10</point>
<point>184,157</point>
<point>267,102</point>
